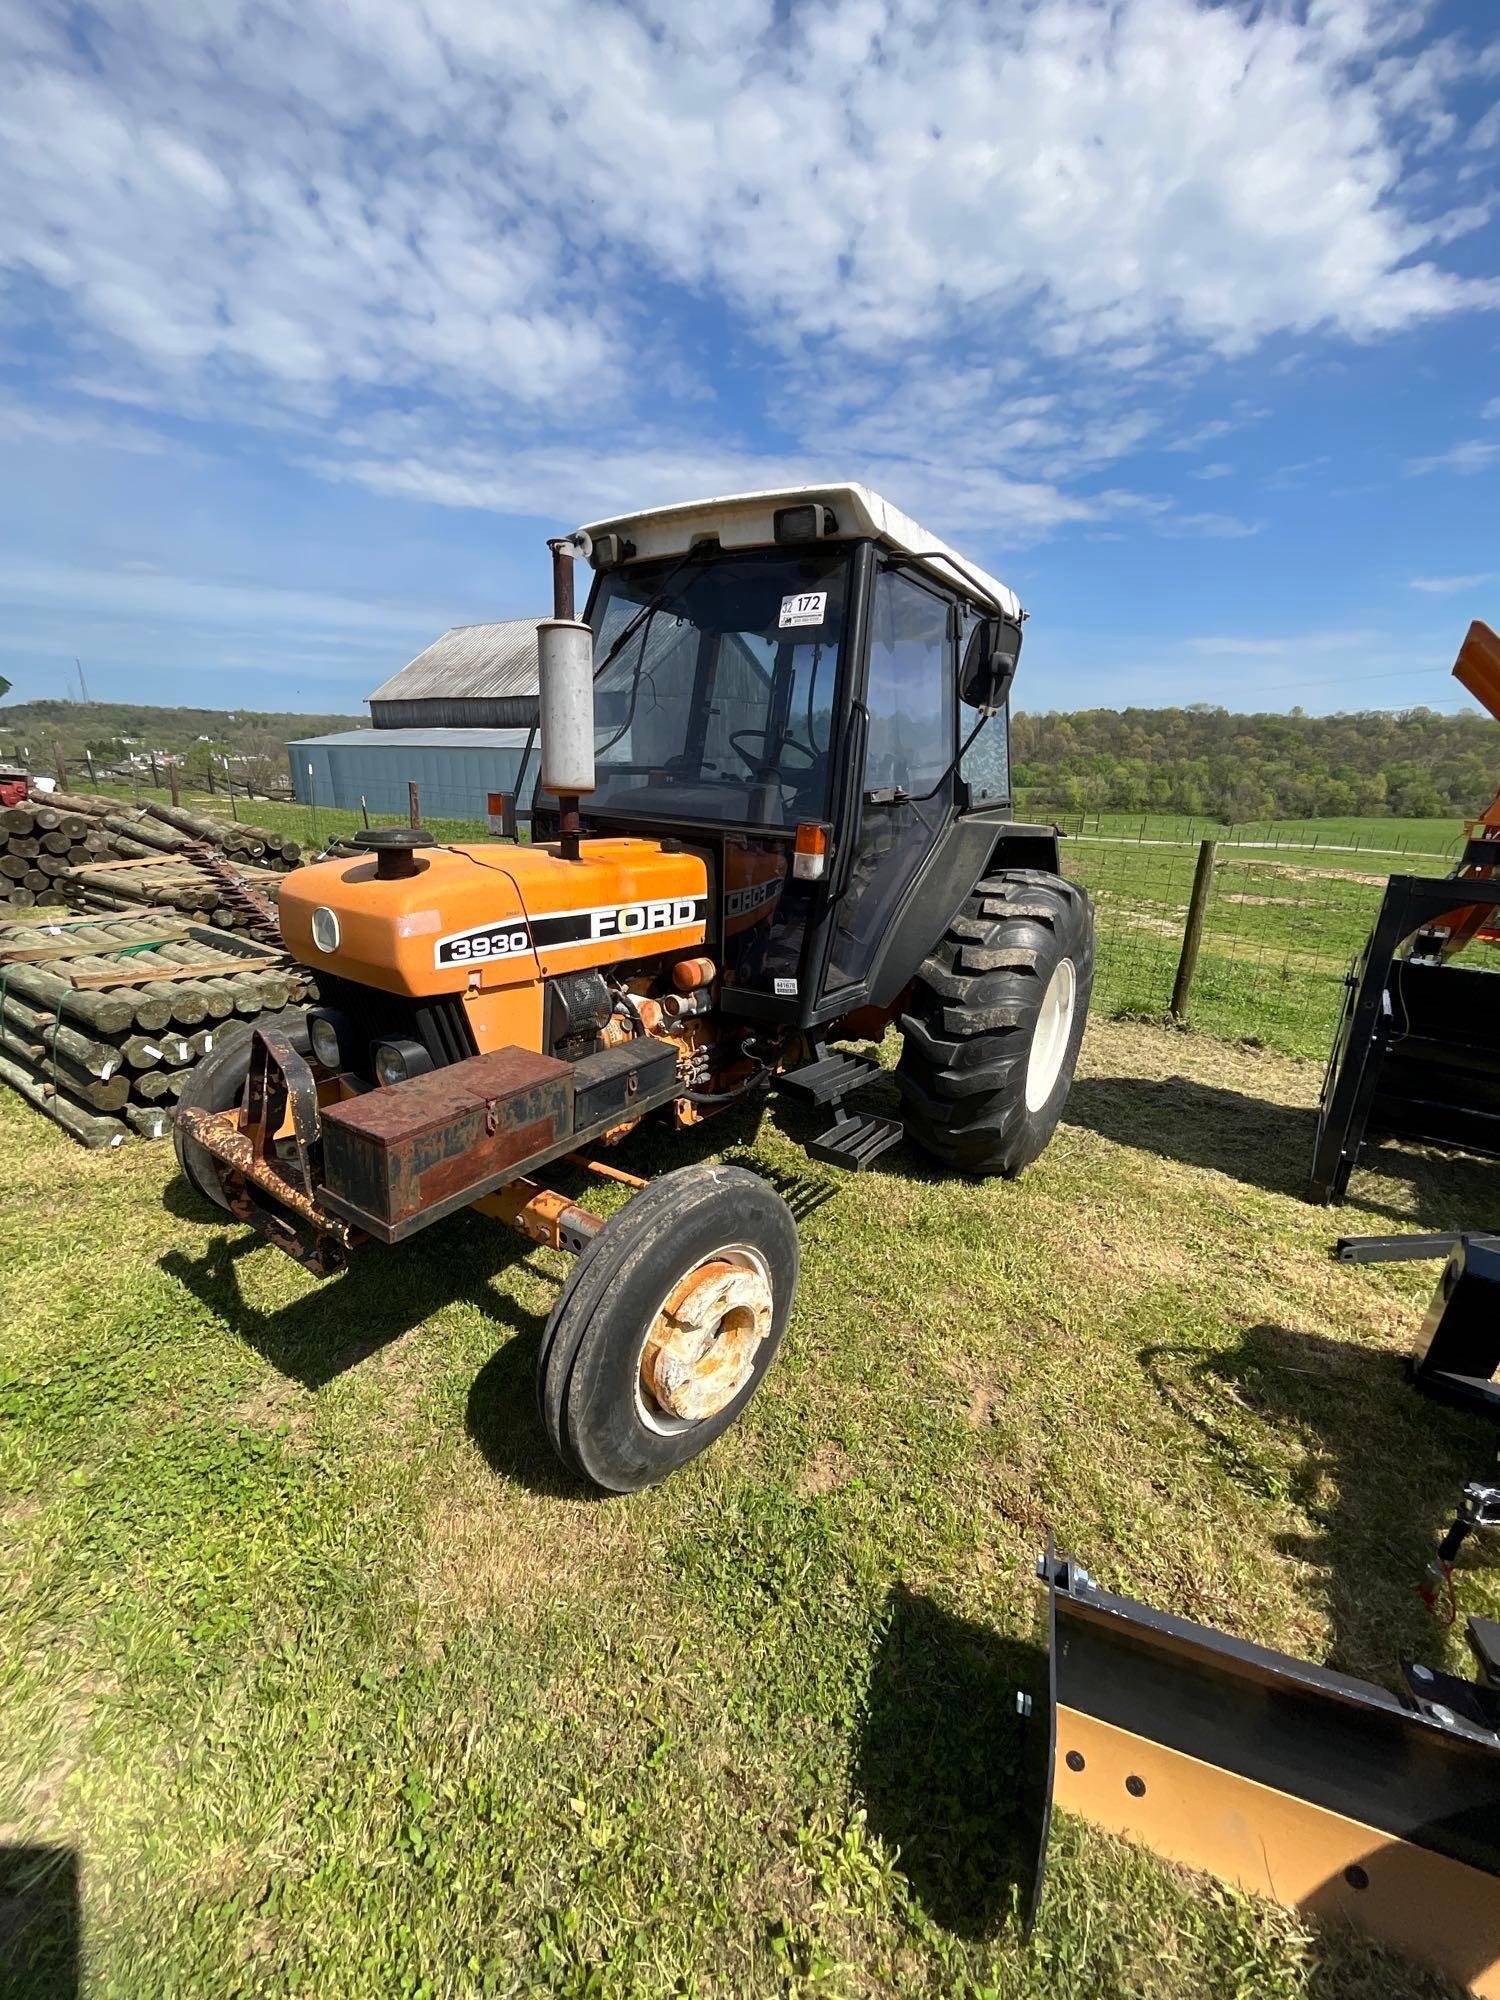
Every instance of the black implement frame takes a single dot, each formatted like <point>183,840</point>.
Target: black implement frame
<point>1417,1055</point>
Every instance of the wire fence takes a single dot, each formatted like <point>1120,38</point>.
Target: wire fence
<point>1281,928</point>
<point>1288,906</point>
<point>448,812</point>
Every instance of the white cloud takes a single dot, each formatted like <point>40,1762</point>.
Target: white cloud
<point>1217,527</point>
<point>1491,409</point>
<point>326,214</point>
<point>20,424</point>
<point>1261,646</point>
<point>1219,469</point>
<point>137,591</point>
<point>1471,456</point>
<point>1448,586</point>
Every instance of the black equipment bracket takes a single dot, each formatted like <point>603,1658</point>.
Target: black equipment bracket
<point>1417,1055</point>
<point>1458,1350</point>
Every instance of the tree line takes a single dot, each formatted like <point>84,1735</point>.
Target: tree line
<point>1410,763</point>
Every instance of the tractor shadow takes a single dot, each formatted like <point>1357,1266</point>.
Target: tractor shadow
<point>1373,1466</point>
<point>1269,1145</point>
<point>40,1923</point>
<point>335,1325</point>
<point>386,1295</point>
<point>939,1761</point>
<point>340,1322</point>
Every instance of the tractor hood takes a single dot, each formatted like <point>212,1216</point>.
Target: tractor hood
<point>478,917</point>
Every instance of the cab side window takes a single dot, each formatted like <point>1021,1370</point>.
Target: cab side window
<point>911,692</point>
<point>985,763</point>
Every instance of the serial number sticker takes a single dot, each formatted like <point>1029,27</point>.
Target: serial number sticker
<point>786,989</point>
<point>808,607</point>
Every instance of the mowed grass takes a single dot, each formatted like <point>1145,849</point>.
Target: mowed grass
<point>314,826</point>
<point>328,1681</point>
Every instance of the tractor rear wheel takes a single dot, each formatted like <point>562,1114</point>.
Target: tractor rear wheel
<point>218,1083</point>
<point>996,1018</point>
<point>667,1325</point>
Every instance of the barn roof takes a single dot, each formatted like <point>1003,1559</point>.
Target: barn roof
<point>470,663</point>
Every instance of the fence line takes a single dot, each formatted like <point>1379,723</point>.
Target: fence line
<point>1283,919</point>
<point>1279,935</point>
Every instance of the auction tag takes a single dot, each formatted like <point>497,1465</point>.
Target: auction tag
<point>806,608</point>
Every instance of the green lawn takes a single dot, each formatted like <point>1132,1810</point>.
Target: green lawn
<point>312,825</point>
<point>332,1684</point>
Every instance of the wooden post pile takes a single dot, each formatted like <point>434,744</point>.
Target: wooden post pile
<point>52,839</point>
<point>39,843</point>
<point>102,1019</point>
<point>163,883</point>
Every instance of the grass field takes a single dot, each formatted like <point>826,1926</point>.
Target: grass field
<point>1284,920</point>
<point>1303,839</point>
<point>331,1683</point>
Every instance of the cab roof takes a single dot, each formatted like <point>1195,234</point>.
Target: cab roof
<point>747,521</point>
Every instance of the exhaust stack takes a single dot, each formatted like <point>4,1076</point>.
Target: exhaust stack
<point>565,673</point>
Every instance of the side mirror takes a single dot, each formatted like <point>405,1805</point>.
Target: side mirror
<point>989,663</point>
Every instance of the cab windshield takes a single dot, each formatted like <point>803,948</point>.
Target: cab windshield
<point>714,685</point>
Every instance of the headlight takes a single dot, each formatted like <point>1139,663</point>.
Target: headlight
<point>396,1061</point>
<point>325,929</point>
<point>324,1037</point>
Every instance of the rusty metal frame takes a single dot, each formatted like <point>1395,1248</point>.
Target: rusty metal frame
<point>267,1155</point>
<point>543,1215</point>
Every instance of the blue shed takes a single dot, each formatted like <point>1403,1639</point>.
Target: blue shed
<point>456,770</point>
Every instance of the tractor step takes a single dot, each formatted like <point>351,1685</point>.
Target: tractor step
<point>856,1141</point>
<point>829,1076</point>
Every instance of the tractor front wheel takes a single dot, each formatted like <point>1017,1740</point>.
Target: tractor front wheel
<point>996,1018</point>
<point>667,1324</point>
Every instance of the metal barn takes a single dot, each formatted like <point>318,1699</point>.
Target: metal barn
<point>456,770</point>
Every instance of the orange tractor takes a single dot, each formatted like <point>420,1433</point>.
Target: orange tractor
<point>774,815</point>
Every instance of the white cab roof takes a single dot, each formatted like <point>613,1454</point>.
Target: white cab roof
<point>746,521</point>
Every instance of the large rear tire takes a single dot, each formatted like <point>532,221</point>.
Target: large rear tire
<point>667,1325</point>
<point>996,1018</point>
<point>217,1084</point>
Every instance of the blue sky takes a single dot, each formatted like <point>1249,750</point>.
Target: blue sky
<point>316,316</point>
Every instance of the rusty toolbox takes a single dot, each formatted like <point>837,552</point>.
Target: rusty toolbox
<point>396,1159</point>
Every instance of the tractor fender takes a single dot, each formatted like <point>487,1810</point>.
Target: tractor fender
<point>972,847</point>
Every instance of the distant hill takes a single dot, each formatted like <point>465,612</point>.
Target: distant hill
<point>110,728</point>
<point>1411,763</point>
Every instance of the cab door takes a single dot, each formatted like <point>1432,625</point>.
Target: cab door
<point>907,795</point>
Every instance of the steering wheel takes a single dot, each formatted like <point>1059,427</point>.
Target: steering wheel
<point>787,743</point>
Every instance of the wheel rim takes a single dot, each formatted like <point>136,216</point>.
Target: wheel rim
<point>1054,1025</point>
<point>700,1346</point>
